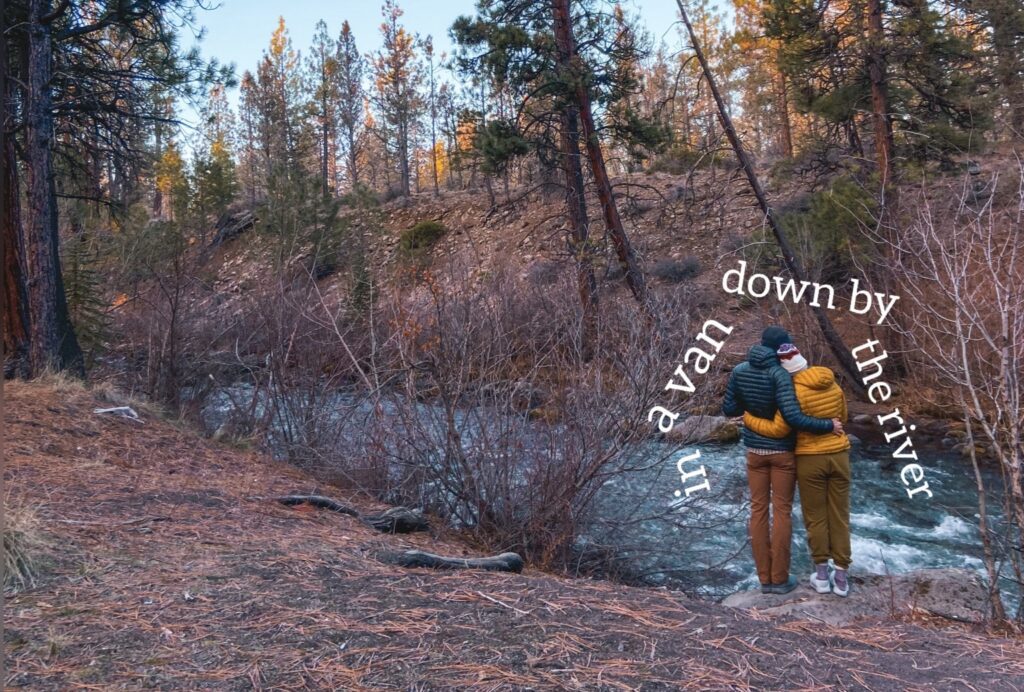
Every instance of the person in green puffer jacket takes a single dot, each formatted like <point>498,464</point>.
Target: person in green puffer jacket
<point>761,387</point>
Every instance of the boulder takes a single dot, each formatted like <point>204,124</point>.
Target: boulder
<point>700,428</point>
<point>955,594</point>
<point>862,418</point>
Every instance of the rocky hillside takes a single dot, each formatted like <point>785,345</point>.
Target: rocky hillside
<point>687,229</point>
<point>167,564</point>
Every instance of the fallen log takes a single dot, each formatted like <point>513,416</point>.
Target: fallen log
<point>397,520</point>
<point>505,562</point>
<point>231,224</point>
<point>392,520</point>
<point>317,501</point>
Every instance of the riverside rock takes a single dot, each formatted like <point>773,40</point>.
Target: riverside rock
<point>955,594</point>
<point>701,428</point>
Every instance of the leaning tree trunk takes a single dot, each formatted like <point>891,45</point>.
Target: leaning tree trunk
<point>568,61</point>
<point>576,210</point>
<point>52,341</point>
<point>832,338</point>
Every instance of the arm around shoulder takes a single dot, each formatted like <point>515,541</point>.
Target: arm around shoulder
<point>775,428</point>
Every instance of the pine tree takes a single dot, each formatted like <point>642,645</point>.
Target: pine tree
<point>251,159</point>
<point>90,76</point>
<point>325,97</point>
<point>531,50</point>
<point>351,97</point>
<point>900,62</point>
<point>398,99</point>
<point>640,135</point>
<point>278,103</point>
<point>214,173</point>
<point>1005,20</point>
<point>173,183</point>
<point>428,52</point>
<point>766,111</point>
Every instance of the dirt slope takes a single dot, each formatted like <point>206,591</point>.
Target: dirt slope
<point>170,573</point>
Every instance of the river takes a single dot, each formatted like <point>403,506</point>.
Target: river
<point>890,531</point>
<point>701,546</point>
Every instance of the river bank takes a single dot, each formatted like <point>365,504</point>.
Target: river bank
<point>168,571</point>
<point>652,534</point>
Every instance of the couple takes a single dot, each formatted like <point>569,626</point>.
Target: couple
<point>776,393</point>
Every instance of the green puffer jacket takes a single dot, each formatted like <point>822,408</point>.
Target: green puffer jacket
<point>761,386</point>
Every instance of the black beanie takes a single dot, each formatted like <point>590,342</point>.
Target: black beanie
<point>774,336</point>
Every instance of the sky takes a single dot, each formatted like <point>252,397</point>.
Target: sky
<point>238,31</point>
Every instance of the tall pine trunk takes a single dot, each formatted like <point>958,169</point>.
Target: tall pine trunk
<point>879,92</point>
<point>353,159</point>
<point>52,341</point>
<point>433,132</point>
<point>568,59</point>
<point>403,159</point>
<point>15,323</point>
<point>888,195</point>
<point>576,211</point>
<point>15,320</point>
<point>785,123</point>
<point>325,152</point>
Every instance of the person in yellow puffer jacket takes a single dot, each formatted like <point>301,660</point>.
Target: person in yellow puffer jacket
<point>822,469</point>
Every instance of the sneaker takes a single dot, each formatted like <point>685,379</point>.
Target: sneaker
<point>840,583</point>
<point>821,578</point>
<point>767,588</point>
<point>784,587</point>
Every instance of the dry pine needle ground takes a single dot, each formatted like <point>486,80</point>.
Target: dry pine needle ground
<point>166,572</point>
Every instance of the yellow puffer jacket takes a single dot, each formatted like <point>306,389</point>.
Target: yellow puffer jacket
<point>819,396</point>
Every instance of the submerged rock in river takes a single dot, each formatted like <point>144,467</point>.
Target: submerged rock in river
<point>956,594</point>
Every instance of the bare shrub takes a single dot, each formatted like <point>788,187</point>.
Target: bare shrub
<point>544,273</point>
<point>675,271</point>
<point>493,420</point>
<point>961,271</point>
<point>467,395</point>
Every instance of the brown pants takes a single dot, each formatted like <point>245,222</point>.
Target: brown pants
<point>772,479</point>
<point>825,500</point>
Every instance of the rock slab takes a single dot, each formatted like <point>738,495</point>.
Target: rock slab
<point>956,594</point>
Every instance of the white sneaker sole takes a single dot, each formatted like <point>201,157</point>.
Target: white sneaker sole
<point>819,585</point>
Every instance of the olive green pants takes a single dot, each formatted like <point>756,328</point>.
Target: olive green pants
<point>824,482</point>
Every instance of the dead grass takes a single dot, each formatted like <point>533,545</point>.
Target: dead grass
<point>25,547</point>
<point>170,573</point>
